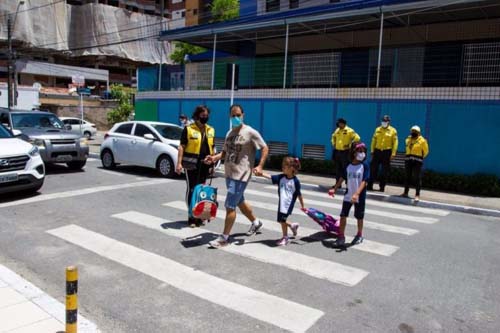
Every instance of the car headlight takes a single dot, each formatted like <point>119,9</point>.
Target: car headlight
<point>83,141</point>
<point>38,143</point>
<point>34,151</point>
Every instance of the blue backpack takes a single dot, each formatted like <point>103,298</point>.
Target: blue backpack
<point>203,203</point>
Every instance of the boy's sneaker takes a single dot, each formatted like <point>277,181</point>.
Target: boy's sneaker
<point>339,242</point>
<point>294,227</point>
<point>219,242</point>
<point>283,241</point>
<point>357,240</point>
<point>254,228</point>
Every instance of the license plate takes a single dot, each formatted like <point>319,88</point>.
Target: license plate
<point>8,178</point>
<point>64,158</point>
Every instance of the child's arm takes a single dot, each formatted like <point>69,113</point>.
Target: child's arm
<point>332,191</point>
<point>301,200</point>
<point>265,175</point>
<point>355,196</point>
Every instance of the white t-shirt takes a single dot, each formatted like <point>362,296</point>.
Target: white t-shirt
<point>356,173</point>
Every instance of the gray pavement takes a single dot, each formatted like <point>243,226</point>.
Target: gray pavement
<point>142,270</point>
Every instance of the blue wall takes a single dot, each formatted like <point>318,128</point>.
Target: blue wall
<point>463,136</point>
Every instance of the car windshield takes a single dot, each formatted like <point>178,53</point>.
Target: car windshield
<point>38,120</point>
<point>4,133</point>
<point>168,132</point>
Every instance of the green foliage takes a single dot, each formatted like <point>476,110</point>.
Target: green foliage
<point>224,10</point>
<point>181,49</point>
<point>124,109</point>
<point>477,184</point>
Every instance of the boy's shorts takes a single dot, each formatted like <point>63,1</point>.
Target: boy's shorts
<point>235,190</point>
<point>282,217</point>
<point>359,209</point>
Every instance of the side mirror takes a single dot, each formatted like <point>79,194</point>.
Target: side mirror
<point>68,127</point>
<point>149,136</point>
<point>16,132</point>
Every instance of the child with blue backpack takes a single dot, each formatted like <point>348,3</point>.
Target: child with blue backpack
<point>288,192</point>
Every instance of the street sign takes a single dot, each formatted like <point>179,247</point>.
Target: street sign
<point>78,80</point>
<point>83,91</point>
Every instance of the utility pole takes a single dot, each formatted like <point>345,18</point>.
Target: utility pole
<point>9,64</point>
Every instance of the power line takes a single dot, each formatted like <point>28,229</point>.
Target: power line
<point>33,8</point>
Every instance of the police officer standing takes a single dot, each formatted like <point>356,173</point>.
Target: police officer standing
<point>417,150</point>
<point>383,149</point>
<point>342,139</point>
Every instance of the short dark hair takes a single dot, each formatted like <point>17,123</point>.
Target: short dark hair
<point>236,106</point>
<point>199,109</point>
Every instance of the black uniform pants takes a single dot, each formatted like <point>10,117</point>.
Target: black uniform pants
<point>341,163</point>
<point>380,157</point>
<point>413,169</point>
<point>193,178</point>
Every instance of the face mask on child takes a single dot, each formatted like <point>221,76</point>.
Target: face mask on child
<point>360,156</point>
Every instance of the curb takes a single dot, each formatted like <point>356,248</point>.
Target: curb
<point>397,199</point>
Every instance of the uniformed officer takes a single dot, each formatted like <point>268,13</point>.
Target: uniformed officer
<point>197,142</point>
<point>342,139</point>
<point>383,149</point>
<point>417,150</point>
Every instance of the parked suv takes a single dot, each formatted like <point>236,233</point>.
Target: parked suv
<point>21,167</point>
<point>47,132</point>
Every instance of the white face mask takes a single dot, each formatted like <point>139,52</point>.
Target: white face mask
<point>360,156</point>
<point>385,124</point>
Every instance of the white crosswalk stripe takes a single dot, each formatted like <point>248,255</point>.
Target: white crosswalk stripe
<point>367,224</point>
<point>316,203</point>
<point>367,246</point>
<point>319,268</point>
<point>420,210</point>
<point>268,308</point>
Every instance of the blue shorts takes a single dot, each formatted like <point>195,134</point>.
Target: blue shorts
<point>359,209</point>
<point>235,190</point>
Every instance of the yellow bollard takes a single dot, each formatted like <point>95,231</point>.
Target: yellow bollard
<point>71,299</point>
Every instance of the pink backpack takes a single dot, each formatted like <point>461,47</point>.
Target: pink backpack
<point>327,222</point>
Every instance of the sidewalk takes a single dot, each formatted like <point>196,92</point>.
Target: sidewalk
<point>25,308</point>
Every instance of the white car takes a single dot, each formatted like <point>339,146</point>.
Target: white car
<point>88,129</point>
<point>143,143</point>
<point>21,167</point>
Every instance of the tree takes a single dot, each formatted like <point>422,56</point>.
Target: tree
<point>223,10</point>
<point>124,109</point>
<point>182,49</point>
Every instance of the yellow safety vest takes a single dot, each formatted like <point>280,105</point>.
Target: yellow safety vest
<point>384,139</point>
<point>343,138</point>
<point>416,149</point>
<point>195,140</point>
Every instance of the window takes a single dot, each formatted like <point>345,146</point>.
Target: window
<point>272,5</point>
<point>195,11</point>
<point>124,129</point>
<point>169,132</point>
<point>295,4</point>
<point>183,14</point>
<point>141,130</point>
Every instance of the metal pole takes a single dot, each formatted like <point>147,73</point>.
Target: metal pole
<point>232,84</point>
<point>159,70</point>
<point>9,64</point>
<point>213,62</point>
<point>15,77</point>
<point>286,57</point>
<point>71,299</point>
<point>380,46</point>
<point>81,111</point>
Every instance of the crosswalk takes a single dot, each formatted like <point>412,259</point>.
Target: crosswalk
<point>385,221</point>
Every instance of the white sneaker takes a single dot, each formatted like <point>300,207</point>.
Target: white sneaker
<point>254,228</point>
<point>294,227</point>
<point>219,242</point>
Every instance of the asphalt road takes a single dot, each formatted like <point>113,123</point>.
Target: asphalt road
<point>142,270</point>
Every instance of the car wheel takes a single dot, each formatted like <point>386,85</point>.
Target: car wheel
<point>76,165</point>
<point>87,135</point>
<point>107,159</point>
<point>165,166</point>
